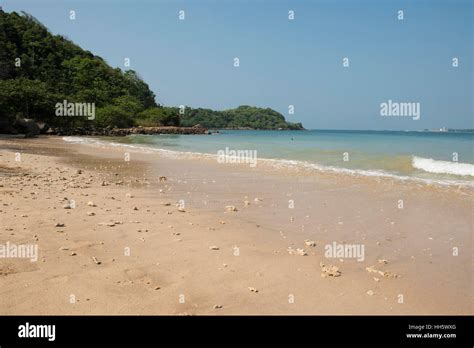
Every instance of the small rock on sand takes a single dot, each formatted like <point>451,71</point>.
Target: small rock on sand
<point>91,204</point>
<point>301,252</point>
<point>297,251</point>
<point>329,270</point>
<point>371,269</point>
<point>370,293</point>
<point>90,213</point>
<point>217,306</point>
<point>385,274</point>
<point>252,289</point>
<point>97,262</point>
<point>230,208</point>
<point>213,247</point>
<point>310,243</point>
<point>59,224</point>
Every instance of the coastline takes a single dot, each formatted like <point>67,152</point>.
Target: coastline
<point>172,250</point>
<point>301,166</point>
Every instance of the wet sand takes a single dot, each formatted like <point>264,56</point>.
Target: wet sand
<point>127,248</point>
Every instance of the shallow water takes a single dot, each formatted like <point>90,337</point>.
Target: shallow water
<point>444,157</point>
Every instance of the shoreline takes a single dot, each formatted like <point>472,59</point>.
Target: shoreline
<point>172,254</point>
<point>296,166</point>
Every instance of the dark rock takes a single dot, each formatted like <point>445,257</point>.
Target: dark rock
<point>27,126</point>
<point>109,131</point>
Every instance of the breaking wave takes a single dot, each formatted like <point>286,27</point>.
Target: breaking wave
<point>442,167</point>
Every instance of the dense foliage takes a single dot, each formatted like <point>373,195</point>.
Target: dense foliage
<point>242,117</point>
<point>39,70</point>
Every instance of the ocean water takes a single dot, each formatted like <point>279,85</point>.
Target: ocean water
<point>441,157</point>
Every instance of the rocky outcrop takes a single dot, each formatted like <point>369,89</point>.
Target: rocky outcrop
<point>32,128</point>
<point>27,126</point>
<point>109,131</point>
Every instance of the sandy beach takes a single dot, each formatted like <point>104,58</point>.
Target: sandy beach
<point>142,233</point>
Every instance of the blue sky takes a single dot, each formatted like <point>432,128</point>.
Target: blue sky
<point>286,62</point>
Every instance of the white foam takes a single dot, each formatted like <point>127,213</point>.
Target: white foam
<point>442,167</point>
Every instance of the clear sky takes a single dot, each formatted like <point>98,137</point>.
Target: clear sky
<point>285,62</point>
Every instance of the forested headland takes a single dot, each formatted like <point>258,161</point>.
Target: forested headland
<point>41,72</point>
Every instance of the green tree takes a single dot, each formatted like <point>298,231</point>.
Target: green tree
<point>113,116</point>
<point>129,103</point>
<point>139,89</point>
<point>158,116</point>
<point>27,98</point>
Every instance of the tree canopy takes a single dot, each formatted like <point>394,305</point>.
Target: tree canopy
<point>38,70</point>
<point>242,117</point>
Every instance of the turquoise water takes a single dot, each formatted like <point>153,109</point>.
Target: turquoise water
<point>426,155</point>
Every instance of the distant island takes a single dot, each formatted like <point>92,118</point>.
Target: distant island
<point>45,79</point>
